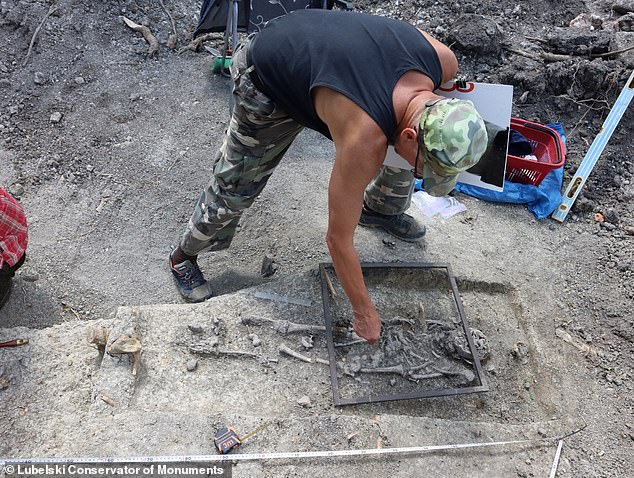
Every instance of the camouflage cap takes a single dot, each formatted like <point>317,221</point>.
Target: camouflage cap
<point>452,138</point>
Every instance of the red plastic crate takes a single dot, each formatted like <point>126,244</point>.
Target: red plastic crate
<point>547,147</point>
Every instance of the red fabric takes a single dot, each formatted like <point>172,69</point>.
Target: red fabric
<point>13,230</point>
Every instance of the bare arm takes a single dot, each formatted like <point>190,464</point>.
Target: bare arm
<point>361,148</point>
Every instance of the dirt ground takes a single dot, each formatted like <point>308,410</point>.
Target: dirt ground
<point>108,150</point>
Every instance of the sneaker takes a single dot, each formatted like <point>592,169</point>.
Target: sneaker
<point>402,226</point>
<point>190,281</point>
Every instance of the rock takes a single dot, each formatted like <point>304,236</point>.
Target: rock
<point>56,117</point>
<point>587,20</point>
<point>79,80</point>
<point>255,340</point>
<point>626,23</point>
<point>623,6</point>
<point>624,266</point>
<point>29,275</point>
<point>476,34</point>
<point>608,226</point>
<point>304,401</point>
<point>16,190</point>
<point>611,216</point>
<point>571,41</point>
<point>584,204</point>
<point>621,40</point>
<point>4,83</point>
<point>194,328</point>
<point>522,99</point>
<point>39,78</point>
<point>542,432</point>
<point>307,342</point>
<point>520,352</point>
<point>617,180</point>
<point>389,244</point>
<point>268,267</point>
<point>192,365</point>
<point>629,230</point>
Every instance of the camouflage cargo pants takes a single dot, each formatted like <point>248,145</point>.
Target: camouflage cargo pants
<point>258,136</point>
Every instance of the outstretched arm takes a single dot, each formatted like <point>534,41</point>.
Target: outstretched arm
<point>361,148</point>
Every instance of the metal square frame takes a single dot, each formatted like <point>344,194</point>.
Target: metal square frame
<point>441,392</point>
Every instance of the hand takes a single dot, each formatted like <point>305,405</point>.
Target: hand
<point>367,326</point>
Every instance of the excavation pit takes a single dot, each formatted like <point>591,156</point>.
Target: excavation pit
<point>427,348</point>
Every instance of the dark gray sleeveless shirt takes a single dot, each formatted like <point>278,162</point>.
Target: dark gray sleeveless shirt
<point>361,56</point>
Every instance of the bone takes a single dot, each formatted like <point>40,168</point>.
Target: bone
<point>439,323</point>
<point>126,344</point>
<point>286,350</point>
<point>284,326</point>
<point>420,316</point>
<point>397,321</point>
<point>329,284</point>
<point>398,369</point>
<point>467,375</point>
<point>322,361</point>
<point>416,368</point>
<point>203,348</point>
<point>353,342</point>
<point>425,376</point>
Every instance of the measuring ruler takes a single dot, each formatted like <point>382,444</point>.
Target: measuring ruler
<point>271,456</point>
<point>596,148</point>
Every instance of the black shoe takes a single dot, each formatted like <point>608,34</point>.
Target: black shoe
<point>190,281</point>
<point>402,226</point>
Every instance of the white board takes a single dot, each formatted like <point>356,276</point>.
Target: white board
<point>494,103</point>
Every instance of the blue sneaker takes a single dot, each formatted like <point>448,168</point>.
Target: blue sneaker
<point>190,281</point>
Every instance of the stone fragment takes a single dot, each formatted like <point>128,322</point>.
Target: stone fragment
<point>611,216</point>
<point>79,80</point>
<point>39,78</point>
<point>255,340</point>
<point>192,365</point>
<point>56,117</point>
<point>304,401</point>
<point>16,190</point>
<point>608,226</point>
<point>268,268</point>
<point>307,342</point>
<point>623,6</point>
<point>476,34</point>
<point>195,328</point>
<point>29,275</point>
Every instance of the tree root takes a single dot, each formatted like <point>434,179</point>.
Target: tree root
<point>553,57</point>
<point>171,40</point>
<point>194,45</point>
<point>52,9</point>
<point>147,35</point>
